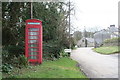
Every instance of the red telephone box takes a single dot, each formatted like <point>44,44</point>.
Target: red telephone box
<point>33,40</point>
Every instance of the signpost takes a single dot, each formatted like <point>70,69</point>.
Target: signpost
<point>67,50</point>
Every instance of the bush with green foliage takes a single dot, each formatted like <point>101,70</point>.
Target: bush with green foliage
<point>111,42</point>
<point>7,68</point>
<point>63,54</point>
<point>15,61</point>
<point>51,50</point>
<point>7,57</point>
<point>23,61</point>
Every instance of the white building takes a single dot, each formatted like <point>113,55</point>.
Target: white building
<point>113,31</point>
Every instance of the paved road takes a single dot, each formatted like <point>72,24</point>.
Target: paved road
<point>96,65</point>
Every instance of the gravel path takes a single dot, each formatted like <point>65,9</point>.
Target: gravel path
<point>96,65</point>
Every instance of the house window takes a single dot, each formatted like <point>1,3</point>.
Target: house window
<point>82,40</point>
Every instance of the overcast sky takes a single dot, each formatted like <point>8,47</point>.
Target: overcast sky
<point>93,14</point>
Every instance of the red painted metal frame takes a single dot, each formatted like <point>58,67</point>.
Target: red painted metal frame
<point>39,26</point>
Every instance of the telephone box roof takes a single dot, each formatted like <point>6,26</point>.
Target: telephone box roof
<point>33,20</point>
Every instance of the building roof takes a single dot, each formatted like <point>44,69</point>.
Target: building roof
<point>90,39</point>
<point>113,29</point>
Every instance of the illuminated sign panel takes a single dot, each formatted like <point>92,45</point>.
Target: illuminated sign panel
<point>33,23</point>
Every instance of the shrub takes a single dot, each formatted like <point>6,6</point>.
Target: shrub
<point>6,68</point>
<point>11,52</point>
<point>51,50</point>
<point>112,40</point>
<point>14,50</point>
<point>16,61</point>
<point>63,54</point>
<point>5,55</point>
<point>23,61</point>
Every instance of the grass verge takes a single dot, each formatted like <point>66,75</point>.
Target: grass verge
<point>62,68</point>
<point>0,75</point>
<point>107,50</point>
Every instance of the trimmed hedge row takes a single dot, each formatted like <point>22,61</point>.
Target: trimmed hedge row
<point>111,42</point>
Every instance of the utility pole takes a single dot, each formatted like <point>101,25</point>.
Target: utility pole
<point>69,28</point>
<point>31,10</point>
<point>85,35</point>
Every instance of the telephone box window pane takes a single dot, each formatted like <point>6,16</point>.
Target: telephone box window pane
<point>33,53</point>
<point>33,37</point>
<point>33,41</point>
<point>33,29</point>
<point>33,45</point>
<point>32,57</point>
<point>33,33</point>
<point>33,49</point>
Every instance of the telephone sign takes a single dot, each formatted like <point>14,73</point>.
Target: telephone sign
<point>33,23</point>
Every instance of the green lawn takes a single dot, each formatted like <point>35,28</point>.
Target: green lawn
<point>107,50</point>
<point>62,68</point>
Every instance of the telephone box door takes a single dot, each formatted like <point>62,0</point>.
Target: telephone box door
<point>33,40</point>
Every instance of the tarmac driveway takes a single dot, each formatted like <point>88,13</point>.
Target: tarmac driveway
<point>96,65</point>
